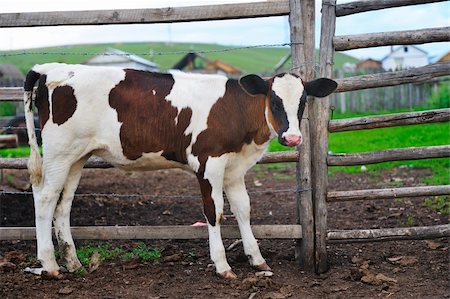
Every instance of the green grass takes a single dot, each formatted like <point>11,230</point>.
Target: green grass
<point>255,60</point>
<point>107,252</point>
<point>21,151</point>
<point>396,137</point>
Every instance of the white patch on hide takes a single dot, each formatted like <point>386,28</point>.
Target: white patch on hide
<point>199,93</point>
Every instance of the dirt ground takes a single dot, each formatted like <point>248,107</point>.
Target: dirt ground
<point>395,269</point>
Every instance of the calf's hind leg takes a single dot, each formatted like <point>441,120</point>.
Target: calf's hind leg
<point>62,217</point>
<point>45,200</point>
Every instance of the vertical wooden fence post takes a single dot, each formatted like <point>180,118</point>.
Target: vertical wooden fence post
<point>301,19</point>
<point>319,130</point>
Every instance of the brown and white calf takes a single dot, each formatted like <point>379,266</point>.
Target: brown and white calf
<point>214,127</point>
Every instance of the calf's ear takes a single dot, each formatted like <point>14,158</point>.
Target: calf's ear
<point>254,85</point>
<point>321,87</point>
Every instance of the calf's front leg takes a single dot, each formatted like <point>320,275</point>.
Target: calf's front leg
<point>211,185</point>
<point>240,206</point>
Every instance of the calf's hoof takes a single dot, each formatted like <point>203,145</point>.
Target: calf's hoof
<point>52,275</point>
<point>227,275</point>
<point>263,267</point>
<point>44,274</point>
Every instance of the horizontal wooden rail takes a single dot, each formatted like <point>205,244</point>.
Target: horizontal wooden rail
<point>409,37</point>
<point>146,15</point>
<point>388,155</point>
<point>11,94</point>
<point>157,232</point>
<point>350,8</point>
<point>389,234</point>
<point>389,120</point>
<point>415,75</point>
<point>94,162</point>
<point>372,194</point>
<point>9,141</point>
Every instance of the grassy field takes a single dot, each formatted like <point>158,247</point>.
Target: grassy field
<point>254,60</point>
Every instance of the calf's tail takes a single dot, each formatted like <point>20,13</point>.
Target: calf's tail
<point>35,160</point>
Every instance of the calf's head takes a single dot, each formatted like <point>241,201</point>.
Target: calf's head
<point>285,101</point>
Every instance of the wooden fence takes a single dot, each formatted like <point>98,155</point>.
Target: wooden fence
<point>331,43</point>
<point>311,228</point>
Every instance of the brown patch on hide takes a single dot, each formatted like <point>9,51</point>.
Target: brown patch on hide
<point>148,119</point>
<point>64,104</point>
<point>209,208</point>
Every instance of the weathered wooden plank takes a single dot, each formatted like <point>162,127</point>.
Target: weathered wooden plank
<point>395,154</point>
<point>146,15</point>
<point>350,8</point>
<point>407,37</point>
<point>389,234</point>
<point>279,157</point>
<point>157,232</point>
<point>371,194</point>
<point>389,120</point>
<point>11,94</point>
<point>414,75</point>
<point>301,21</point>
<point>9,141</point>
<point>319,137</point>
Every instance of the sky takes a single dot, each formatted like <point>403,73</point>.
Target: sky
<point>244,32</point>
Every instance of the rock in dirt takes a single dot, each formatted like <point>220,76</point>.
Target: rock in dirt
<point>94,263</point>
<point>15,257</point>
<point>172,258</point>
<point>432,244</point>
<point>403,260</point>
<point>264,274</point>
<point>65,291</point>
<point>6,266</point>
<point>275,295</point>
<point>254,281</point>
<point>384,278</point>
<point>378,279</point>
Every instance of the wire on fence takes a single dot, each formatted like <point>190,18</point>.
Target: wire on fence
<point>148,196</point>
<point>149,53</point>
<point>18,128</point>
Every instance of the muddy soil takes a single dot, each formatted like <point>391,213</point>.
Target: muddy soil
<point>395,269</point>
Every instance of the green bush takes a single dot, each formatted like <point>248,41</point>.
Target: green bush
<point>441,97</point>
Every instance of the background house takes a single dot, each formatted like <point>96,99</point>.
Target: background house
<point>404,57</point>
<point>114,57</point>
<point>370,66</point>
<point>198,63</point>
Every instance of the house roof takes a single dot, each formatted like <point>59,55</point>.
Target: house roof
<point>445,57</point>
<point>115,55</point>
<point>401,47</point>
<point>209,64</point>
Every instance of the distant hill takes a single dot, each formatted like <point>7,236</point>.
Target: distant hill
<point>250,60</point>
